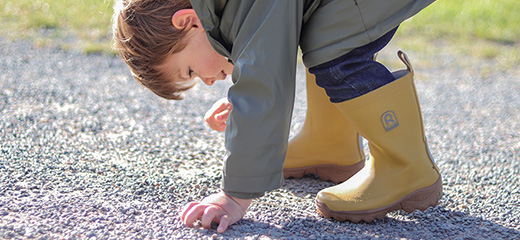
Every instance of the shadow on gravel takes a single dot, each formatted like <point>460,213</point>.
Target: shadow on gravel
<point>417,225</point>
<point>434,223</point>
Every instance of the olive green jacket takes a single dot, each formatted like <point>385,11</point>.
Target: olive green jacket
<point>261,38</point>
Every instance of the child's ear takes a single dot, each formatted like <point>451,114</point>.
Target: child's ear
<point>185,19</point>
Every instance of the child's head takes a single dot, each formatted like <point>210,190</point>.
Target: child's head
<point>145,36</point>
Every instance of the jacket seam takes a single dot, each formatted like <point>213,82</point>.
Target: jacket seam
<point>362,19</point>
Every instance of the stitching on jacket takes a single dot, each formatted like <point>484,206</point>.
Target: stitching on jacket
<point>362,19</point>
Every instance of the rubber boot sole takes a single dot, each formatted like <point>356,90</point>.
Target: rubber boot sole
<point>326,172</point>
<point>420,199</point>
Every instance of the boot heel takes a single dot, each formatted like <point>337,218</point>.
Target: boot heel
<point>423,198</point>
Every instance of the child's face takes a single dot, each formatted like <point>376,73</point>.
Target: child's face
<point>197,59</point>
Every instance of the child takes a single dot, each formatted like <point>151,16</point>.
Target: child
<point>169,43</point>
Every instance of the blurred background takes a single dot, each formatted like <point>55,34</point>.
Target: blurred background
<point>484,29</point>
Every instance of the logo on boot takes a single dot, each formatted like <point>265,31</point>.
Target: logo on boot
<point>389,120</point>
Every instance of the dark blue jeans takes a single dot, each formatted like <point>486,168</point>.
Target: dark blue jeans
<point>355,73</point>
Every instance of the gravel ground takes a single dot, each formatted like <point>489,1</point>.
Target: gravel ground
<point>85,152</point>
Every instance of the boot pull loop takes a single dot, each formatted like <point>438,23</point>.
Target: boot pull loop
<point>406,61</point>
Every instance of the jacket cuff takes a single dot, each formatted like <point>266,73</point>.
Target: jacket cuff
<point>261,184</point>
<point>245,195</point>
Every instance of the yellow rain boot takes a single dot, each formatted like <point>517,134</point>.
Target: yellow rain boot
<point>400,173</point>
<point>327,145</point>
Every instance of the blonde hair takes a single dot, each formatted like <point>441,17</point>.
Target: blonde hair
<point>144,36</point>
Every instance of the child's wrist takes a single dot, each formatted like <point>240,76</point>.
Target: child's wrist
<point>242,195</point>
<point>242,202</point>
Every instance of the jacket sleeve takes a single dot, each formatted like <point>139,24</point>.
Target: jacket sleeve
<point>264,52</point>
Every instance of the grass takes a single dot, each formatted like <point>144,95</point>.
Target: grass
<point>491,20</point>
<point>485,29</point>
<point>83,24</point>
<point>482,29</point>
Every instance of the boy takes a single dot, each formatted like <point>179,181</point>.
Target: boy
<point>169,43</point>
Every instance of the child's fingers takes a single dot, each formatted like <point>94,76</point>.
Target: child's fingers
<point>210,214</point>
<point>224,223</point>
<point>228,105</point>
<point>222,102</point>
<point>218,121</point>
<point>186,209</point>
<point>194,214</point>
<point>215,109</point>
<point>217,116</point>
<point>219,107</point>
<point>222,107</point>
<point>223,116</point>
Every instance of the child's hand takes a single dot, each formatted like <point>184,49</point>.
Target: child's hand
<point>220,208</point>
<point>217,116</point>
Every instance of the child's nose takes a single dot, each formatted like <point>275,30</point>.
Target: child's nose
<point>209,81</point>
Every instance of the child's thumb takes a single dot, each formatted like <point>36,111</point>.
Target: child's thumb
<point>224,223</point>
